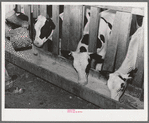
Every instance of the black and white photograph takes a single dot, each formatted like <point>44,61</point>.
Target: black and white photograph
<point>74,61</point>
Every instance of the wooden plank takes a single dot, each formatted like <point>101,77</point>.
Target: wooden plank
<point>93,29</point>
<point>27,11</point>
<point>137,81</point>
<point>22,8</point>
<point>32,35</point>
<point>18,8</point>
<point>52,71</point>
<point>138,11</point>
<point>132,10</point>
<point>35,11</point>
<point>117,45</point>
<point>65,28</point>
<point>55,36</point>
<point>72,26</point>
<point>110,56</point>
<point>76,24</point>
<point>123,37</point>
<point>43,10</point>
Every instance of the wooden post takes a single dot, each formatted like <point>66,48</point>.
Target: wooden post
<point>18,8</point>
<point>65,28</point>
<point>93,29</point>
<point>27,11</point>
<point>32,25</point>
<point>72,26</point>
<point>35,11</point>
<point>117,45</point>
<point>137,81</point>
<point>43,11</point>
<point>55,36</point>
<point>123,37</point>
<point>22,8</point>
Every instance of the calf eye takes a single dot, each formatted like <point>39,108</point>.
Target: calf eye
<point>83,49</point>
<point>85,39</point>
<point>122,78</point>
<point>102,38</point>
<point>99,44</point>
<point>122,87</point>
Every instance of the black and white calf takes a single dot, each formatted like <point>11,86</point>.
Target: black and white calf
<point>44,29</point>
<point>43,32</point>
<point>82,57</point>
<point>118,80</point>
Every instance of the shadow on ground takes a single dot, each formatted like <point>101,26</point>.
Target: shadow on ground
<point>41,94</point>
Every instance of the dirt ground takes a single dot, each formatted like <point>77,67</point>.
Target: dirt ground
<point>41,94</point>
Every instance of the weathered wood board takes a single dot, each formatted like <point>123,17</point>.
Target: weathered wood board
<point>123,37</point>
<point>27,11</point>
<point>118,41</point>
<point>72,26</point>
<point>132,10</point>
<point>54,70</point>
<point>93,29</point>
<point>55,36</point>
<point>43,10</point>
<point>138,80</point>
<point>35,11</point>
<point>18,8</point>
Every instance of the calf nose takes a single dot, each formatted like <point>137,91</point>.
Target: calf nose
<point>83,82</point>
<point>37,43</point>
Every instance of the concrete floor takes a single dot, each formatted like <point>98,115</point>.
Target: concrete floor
<point>41,94</point>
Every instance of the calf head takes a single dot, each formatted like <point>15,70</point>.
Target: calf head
<point>44,29</point>
<point>82,64</point>
<point>117,84</point>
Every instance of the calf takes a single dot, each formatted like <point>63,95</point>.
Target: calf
<point>82,58</point>
<point>44,29</point>
<point>117,81</point>
<point>43,32</point>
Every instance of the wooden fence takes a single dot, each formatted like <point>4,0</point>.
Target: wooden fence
<point>72,29</point>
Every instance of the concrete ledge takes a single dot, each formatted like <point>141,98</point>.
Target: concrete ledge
<point>61,73</point>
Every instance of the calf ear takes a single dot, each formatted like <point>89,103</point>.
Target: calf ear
<point>125,77</point>
<point>51,23</point>
<point>98,58</point>
<point>34,20</point>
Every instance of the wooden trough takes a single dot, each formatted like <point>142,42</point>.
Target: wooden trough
<point>57,70</point>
